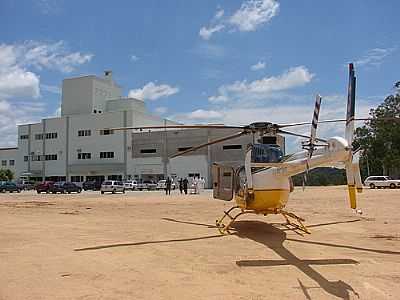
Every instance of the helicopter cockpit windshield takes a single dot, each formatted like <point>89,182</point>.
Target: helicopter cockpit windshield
<point>266,153</point>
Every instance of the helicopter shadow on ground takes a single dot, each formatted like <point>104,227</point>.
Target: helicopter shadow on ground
<point>273,238</point>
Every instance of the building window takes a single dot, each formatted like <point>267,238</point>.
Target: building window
<point>232,147</point>
<point>38,157</point>
<point>4,163</point>
<point>84,155</point>
<point>11,162</point>
<point>39,136</point>
<point>24,137</point>
<point>146,151</point>
<point>106,132</point>
<point>77,178</point>
<point>51,157</point>
<point>106,154</point>
<point>184,148</point>
<point>86,132</point>
<point>51,135</point>
<point>194,175</point>
<point>26,158</point>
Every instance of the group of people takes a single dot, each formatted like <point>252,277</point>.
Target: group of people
<point>198,184</point>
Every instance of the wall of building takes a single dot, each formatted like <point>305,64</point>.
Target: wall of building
<point>8,159</point>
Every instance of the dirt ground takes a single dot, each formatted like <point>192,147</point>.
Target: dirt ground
<point>145,245</point>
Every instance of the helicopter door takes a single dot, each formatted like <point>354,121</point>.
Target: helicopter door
<point>222,182</point>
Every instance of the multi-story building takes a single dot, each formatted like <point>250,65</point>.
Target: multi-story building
<point>79,145</point>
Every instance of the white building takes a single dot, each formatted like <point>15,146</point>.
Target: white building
<point>79,146</point>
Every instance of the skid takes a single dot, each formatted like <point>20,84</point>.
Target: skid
<point>296,225</point>
<point>224,228</point>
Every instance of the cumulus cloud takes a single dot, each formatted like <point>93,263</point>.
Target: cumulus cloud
<point>152,91</point>
<point>161,110</point>
<point>12,114</point>
<point>20,84</point>
<point>206,33</point>
<point>51,88</point>
<point>17,79</point>
<point>251,15</point>
<point>134,58</point>
<point>263,88</point>
<point>53,56</point>
<point>258,66</point>
<point>374,57</point>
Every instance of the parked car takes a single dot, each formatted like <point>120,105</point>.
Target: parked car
<point>44,187</point>
<point>112,186</point>
<point>91,185</point>
<point>161,185</point>
<point>381,182</point>
<point>26,185</point>
<point>7,186</point>
<point>147,185</point>
<point>130,185</point>
<point>64,187</point>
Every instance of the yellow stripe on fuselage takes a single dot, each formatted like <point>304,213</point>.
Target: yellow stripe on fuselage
<point>264,200</point>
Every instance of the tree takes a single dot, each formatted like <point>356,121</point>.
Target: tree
<point>379,138</point>
<point>6,175</point>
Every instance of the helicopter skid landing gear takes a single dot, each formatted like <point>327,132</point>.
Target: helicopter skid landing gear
<point>299,225</point>
<point>224,229</point>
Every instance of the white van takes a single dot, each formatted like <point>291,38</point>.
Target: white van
<point>112,186</point>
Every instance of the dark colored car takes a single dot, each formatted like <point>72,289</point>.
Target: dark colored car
<point>91,185</point>
<point>44,187</point>
<point>9,187</point>
<point>64,187</point>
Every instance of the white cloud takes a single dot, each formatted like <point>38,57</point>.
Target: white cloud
<point>251,15</point>
<point>254,13</point>
<point>20,83</point>
<point>161,110</point>
<point>201,114</point>
<point>16,78</point>
<point>206,33</point>
<point>134,58</point>
<point>12,114</point>
<point>51,56</point>
<point>152,91</point>
<point>258,66</point>
<point>50,88</point>
<point>218,99</point>
<point>374,57</point>
<point>263,88</point>
<point>219,14</point>
<point>17,82</point>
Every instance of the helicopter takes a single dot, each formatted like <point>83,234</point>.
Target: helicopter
<point>263,184</point>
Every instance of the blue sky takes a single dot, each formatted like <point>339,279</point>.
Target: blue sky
<point>230,62</point>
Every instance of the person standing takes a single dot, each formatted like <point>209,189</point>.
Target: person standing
<point>181,185</point>
<point>185,185</point>
<point>202,183</point>
<point>168,183</point>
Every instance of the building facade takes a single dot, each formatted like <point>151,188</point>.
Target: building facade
<point>79,145</point>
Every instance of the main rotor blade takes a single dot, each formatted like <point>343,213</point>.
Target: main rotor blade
<point>337,120</point>
<point>178,127</point>
<point>300,135</point>
<point>226,138</point>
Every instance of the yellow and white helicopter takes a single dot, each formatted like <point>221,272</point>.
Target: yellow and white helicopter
<point>263,184</point>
